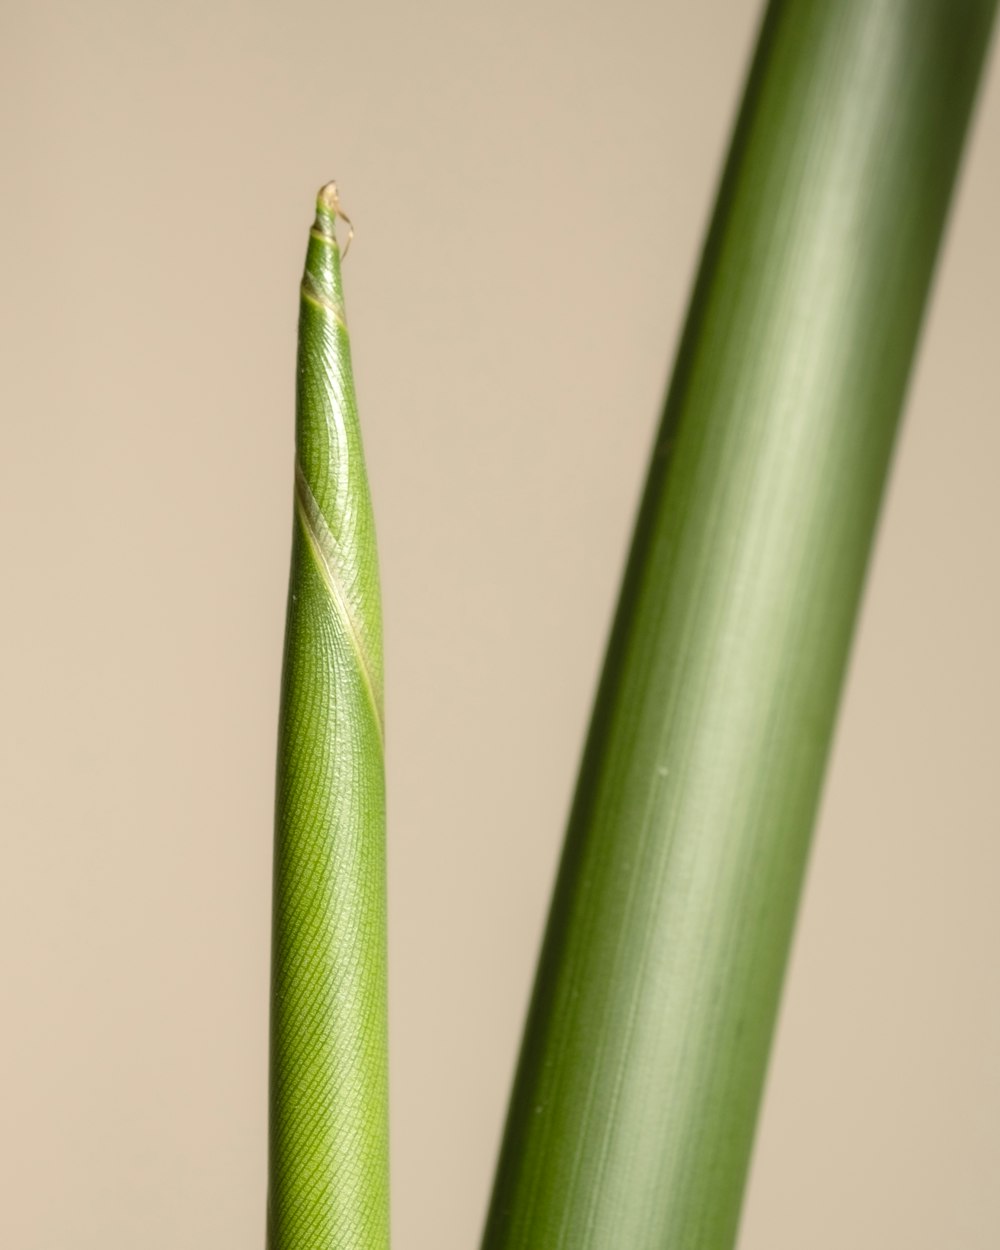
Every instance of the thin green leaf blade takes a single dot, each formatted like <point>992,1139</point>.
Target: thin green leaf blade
<point>328,1174</point>
<point>632,1116</point>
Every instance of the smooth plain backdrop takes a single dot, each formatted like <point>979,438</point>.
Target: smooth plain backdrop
<point>530,184</point>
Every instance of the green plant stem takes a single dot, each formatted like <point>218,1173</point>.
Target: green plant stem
<point>633,1110</point>
<point>328,1175</point>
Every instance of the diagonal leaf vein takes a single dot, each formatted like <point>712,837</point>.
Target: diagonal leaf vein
<point>321,542</point>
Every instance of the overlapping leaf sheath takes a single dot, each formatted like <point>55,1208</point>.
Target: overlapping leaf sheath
<point>328,1179</point>
<point>634,1106</point>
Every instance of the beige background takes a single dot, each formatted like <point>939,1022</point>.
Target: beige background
<point>530,184</point>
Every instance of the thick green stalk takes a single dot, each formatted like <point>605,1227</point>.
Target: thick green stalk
<point>328,1177</point>
<point>632,1116</point>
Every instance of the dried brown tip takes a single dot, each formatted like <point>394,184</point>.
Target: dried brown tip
<point>328,210</point>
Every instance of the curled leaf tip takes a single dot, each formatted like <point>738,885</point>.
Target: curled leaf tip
<point>328,209</point>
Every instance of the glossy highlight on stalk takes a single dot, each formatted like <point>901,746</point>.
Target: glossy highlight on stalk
<point>328,1133</point>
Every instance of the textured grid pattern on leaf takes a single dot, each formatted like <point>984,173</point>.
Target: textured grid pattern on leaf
<point>328,1178</point>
